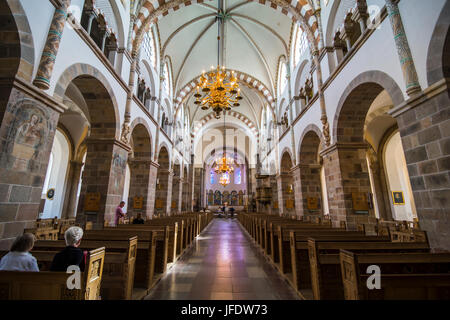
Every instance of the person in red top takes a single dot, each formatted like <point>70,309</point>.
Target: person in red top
<point>119,212</point>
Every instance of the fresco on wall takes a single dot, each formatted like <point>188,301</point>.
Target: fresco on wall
<point>234,198</point>
<point>241,198</point>
<point>27,138</point>
<point>226,197</point>
<point>217,198</point>
<point>210,198</point>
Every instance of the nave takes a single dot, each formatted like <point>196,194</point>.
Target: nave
<point>223,264</point>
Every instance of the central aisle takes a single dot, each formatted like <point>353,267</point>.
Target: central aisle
<point>222,265</point>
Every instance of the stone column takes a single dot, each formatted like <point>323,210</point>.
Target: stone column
<point>152,189</point>
<point>72,189</point>
<point>339,46</point>
<point>176,197</point>
<point>198,187</point>
<point>403,50</point>
<point>140,175</point>
<point>104,172</point>
<point>273,184</point>
<point>425,130</point>
<point>51,47</point>
<point>346,172</point>
<point>361,15</point>
<point>23,161</point>
<point>299,212</point>
<point>169,192</point>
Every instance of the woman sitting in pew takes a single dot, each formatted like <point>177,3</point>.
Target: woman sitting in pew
<point>70,255</point>
<point>19,257</point>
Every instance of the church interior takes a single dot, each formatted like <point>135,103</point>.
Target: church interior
<point>225,149</point>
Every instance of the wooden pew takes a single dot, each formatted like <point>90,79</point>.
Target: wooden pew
<point>326,278</point>
<point>411,276</point>
<point>176,234</point>
<point>162,243</point>
<point>300,278</point>
<point>119,263</point>
<point>146,270</point>
<point>47,285</point>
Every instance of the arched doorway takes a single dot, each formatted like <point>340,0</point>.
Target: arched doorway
<point>140,163</point>
<point>286,186</point>
<point>354,181</point>
<point>92,120</point>
<point>162,183</point>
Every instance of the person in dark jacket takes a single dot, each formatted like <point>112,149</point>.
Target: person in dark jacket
<point>138,219</point>
<point>71,254</point>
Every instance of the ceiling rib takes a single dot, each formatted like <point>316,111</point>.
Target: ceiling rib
<point>258,50</point>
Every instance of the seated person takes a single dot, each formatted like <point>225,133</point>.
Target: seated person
<point>19,257</point>
<point>232,212</point>
<point>138,219</point>
<point>70,255</point>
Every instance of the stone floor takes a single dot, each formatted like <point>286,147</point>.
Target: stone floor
<point>223,264</point>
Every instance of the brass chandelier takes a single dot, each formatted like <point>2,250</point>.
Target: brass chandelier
<point>218,89</point>
<point>224,179</point>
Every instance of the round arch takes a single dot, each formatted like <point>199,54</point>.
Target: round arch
<point>79,71</point>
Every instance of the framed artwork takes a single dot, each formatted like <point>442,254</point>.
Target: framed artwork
<point>51,194</point>
<point>398,198</point>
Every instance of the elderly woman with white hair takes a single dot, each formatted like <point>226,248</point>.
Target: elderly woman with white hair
<point>71,255</point>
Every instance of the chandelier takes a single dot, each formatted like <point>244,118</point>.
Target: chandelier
<point>218,89</point>
<point>224,165</point>
<point>224,179</point>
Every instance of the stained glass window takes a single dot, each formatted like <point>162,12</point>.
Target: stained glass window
<point>212,178</point>
<point>237,176</point>
<point>166,80</point>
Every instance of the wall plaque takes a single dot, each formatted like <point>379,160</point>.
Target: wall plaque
<point>51,194</point>
<point>138,202</point>
<point>312,203</point>
<point>159,204</point>
<point>360,202</point>
<point>92,202</point>
<point>289,204</point>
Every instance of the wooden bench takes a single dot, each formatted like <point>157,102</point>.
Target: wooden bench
<point>47,285</point>
<point>119,263</point>
<point>161,239</point>
<point>177,233</point>
<point>299,273</point>
<point>145,273</point>
<point>410,276</point>
<point>326,278</point>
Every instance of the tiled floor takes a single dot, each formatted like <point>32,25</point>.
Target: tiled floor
<point>223,264</point>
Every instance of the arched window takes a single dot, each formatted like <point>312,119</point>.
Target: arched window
<point>282,80</point>
<point>166,83</point>
<point>148,46</point>
<point>237,176</point>
<point>212,177</point>
<point>301,45</point>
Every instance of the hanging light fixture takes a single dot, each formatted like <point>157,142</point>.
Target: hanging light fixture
<point>224,164</point>
<point>224,179</point>
<point>218,89</point>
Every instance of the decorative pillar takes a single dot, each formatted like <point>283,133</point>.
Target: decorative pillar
<point>51,47</point>
<point>323,118</point>
<point>403,50</point>
<point>126,132</point>
<point>360,14</point>
<point>140,186</point>
<point>91,14</point>
<point>169,192</point>
<point>338,46</point>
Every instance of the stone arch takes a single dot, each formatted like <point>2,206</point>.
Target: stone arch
<point>163,194</point>
<point>286,151</point>
<point>16,30</point>
<point>361,91</point>
<point>438,60</point>
<point>249,123</point>
<point>162,145</point>
<point>301,11</point>
<point>140,122</point>
<point>307,131</point>
<point>286,183</point>
<point>84,72</point>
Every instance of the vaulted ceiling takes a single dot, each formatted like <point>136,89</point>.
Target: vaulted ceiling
<point>254,38</point>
